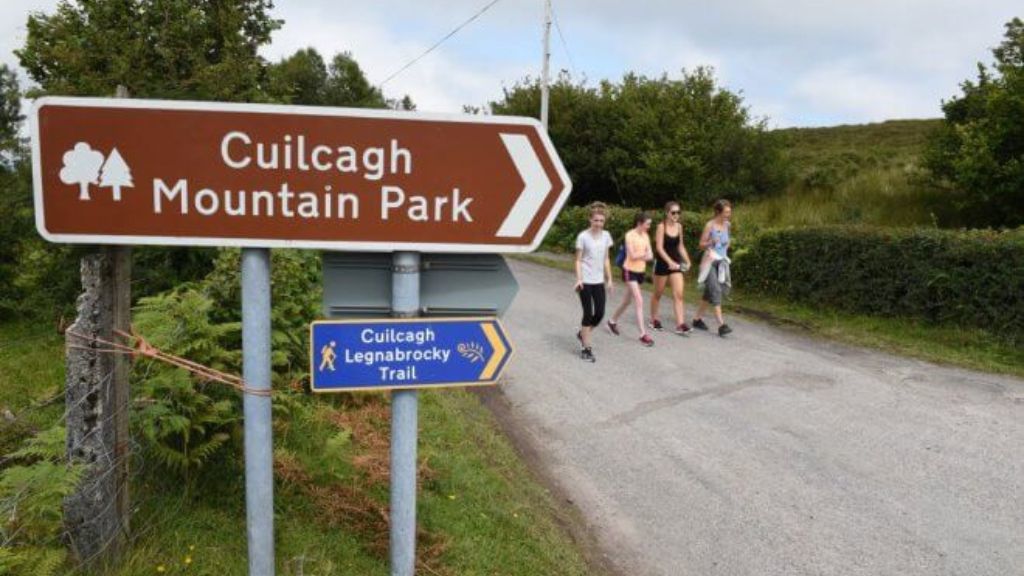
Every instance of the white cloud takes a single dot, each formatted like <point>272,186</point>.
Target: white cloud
<point>845,91</point>
<point>800,61</point>
<point>439,82</point>
<point>909,54</point>
<point>13,16</point>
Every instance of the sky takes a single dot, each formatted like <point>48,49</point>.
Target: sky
<point>796,62</point>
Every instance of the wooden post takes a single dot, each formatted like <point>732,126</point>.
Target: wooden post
<point>91,513</point>
<point>97,397</point>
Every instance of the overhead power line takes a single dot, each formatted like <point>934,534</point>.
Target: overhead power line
<point>439,42</point>
<point>561,37</point>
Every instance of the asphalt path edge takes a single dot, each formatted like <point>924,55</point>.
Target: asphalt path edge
<point>566,513</point>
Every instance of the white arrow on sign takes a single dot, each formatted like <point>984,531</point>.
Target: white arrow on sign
<point>534,192</point>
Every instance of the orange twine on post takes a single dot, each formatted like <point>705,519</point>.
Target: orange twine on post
<point>140,347</point>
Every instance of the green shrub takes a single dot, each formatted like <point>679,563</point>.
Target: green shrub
<point>183,425</point>
<point>643,140</point>
<point>979,150</point>
<point>33,487</point>
<point>971,278</point>
<point>185,421</point>
<point>574,219</point>
<point>296,295</point>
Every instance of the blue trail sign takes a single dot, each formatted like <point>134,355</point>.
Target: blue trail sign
<point>349,355</point>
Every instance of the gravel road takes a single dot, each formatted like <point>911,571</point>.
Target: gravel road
<point>768,452</point>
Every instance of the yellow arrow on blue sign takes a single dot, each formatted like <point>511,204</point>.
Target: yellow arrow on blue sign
<point>350,355</point>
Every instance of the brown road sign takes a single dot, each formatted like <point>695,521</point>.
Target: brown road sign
<point>200,173</point>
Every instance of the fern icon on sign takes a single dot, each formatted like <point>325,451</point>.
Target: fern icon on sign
<point>472,351</point>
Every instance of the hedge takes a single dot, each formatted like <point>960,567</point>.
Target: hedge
<point>971,278</point>
<point>574,219</point>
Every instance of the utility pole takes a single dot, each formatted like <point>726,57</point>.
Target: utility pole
<point>544,69</point>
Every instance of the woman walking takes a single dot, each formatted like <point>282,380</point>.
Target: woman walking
<point>638,254</point>
<point>715,277</point>
<point>671,262</point>
<point>593,275</point>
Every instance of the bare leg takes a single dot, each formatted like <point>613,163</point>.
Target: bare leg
<point>701,309</point>
<point>659,289</point>
<point>677,297</point>
<point>626,298</point>
<point>718,315</point>
<point>585,336</point>
<point>638,305</point>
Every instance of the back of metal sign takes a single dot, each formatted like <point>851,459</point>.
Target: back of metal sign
<point>358,285</point>
<point>466,285</point>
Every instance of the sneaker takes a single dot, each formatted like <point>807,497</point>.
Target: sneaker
<point>684,329</point>
<point>724,329</point>
<point>656,324</point>
<point>646,340</point>
<point>699,324</point>
<point>614,327</point>
<point>587,355</point>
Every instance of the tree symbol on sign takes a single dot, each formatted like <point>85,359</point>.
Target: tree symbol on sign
<point>116,174</point>
<point>82,167</point>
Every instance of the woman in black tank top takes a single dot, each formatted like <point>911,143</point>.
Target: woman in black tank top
<point>663,267</point>
<point>671,262</point>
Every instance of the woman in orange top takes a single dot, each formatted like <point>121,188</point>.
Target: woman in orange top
<point>638,254</point>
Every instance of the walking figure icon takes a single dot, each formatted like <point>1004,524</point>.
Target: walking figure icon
<point>327,356</point>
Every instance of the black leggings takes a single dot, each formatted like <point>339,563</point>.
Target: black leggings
<point>592,298</point>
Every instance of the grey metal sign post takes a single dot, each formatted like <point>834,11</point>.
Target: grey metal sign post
<point>259,447</point>
<point>405,303</point>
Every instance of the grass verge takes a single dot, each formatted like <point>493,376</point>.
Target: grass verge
<point>480,511</point>
<point>963,347</point>
<point>31,380</point>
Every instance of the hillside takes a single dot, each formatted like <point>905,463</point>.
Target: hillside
<point>898,135</point>
<point>852,174</point>
<point>829,155</point>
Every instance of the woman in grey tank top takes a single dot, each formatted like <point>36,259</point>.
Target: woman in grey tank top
<point>715,242</point>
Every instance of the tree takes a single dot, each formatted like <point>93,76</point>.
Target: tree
<point>299,79</point>
<point>405,103</point>
<point>978,153</point>
<point>115,174</point>
<point>348,86</point>
<point>643,141</point>
<point>202,50</point>
<point>304,78</point>
<point>15,191</point>
<point>82,167</point>
<point>10,117</point>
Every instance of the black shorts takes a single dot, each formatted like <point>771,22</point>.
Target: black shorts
<point>630,276</point>
<point>661,269</point>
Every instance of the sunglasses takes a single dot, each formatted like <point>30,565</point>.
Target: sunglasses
<point>674,213</point>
